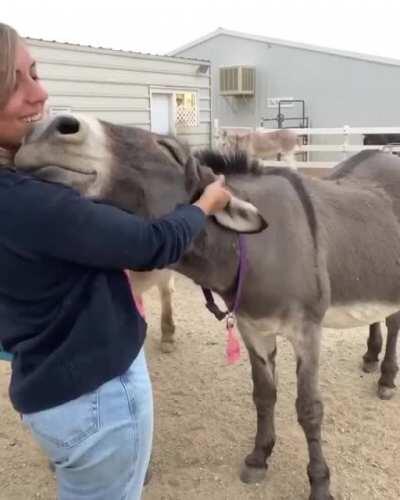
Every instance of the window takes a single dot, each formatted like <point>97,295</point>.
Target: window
<point>186,109</point>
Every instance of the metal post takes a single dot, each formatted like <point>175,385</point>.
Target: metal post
<point>346,139</point>
<point>216,136</point>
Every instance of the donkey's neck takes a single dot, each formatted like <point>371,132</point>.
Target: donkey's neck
<point>212,260</point>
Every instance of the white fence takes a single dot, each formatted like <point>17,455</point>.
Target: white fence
<point>343,147</point>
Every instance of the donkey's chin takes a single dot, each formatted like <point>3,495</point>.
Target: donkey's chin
<point>77,179</point>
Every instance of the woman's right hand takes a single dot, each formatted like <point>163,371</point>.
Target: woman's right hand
<point>215,197</point>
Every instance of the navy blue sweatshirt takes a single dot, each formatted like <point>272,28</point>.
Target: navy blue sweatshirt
<point>66,309</point>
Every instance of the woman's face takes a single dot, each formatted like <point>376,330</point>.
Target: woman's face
<point>26,103</point>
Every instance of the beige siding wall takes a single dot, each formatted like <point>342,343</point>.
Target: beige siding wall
<point>116,86</point>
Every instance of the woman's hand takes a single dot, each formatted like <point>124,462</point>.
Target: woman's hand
<point>215,197</point>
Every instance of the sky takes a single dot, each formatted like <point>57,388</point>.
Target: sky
<point>159,26</point>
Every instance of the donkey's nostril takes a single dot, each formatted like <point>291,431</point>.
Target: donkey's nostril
<point>67,125</point>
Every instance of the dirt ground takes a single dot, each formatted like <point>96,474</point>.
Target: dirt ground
<point>205,421</point>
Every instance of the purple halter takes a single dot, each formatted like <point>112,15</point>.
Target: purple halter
<point>241,273</point>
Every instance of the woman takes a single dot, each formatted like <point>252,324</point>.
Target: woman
<point>79,377</point>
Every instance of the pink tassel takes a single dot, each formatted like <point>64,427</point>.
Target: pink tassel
<point>137,298</point>
<point>232,346</point>
<point>140,305</point>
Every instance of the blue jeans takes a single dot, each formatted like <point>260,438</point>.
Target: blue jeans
<point>100,443</point>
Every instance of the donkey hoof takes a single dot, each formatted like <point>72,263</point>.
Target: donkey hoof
<point>321,495</point>
<point>251,475</point>
<point>386,392</point>
<point>370,366</point>
<point>167,347</point>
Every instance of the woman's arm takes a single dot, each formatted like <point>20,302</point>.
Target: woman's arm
<point>55,221</point>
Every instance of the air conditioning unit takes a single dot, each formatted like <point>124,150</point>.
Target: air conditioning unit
<point>237,80</point>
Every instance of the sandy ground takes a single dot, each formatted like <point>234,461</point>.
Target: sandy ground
<point>205,421</point>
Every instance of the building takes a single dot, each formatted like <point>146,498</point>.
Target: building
<point>160,93</point>
<point>251,74</point>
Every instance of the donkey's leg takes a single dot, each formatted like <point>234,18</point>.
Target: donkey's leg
<point>309,406</point>
<point>262,358</point>
<point>389,366</point>
<point>166,289</point>
<point>374,347</point>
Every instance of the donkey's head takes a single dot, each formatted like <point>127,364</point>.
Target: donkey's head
<point>129,167</point>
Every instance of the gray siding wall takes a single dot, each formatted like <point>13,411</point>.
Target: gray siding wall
<point>116,85</point>
<point>337,90</point>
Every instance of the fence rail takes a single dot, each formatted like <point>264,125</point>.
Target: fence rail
<point>343,146</point>
<point>345,130</point>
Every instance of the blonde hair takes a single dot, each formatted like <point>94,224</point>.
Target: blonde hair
<point>8,46</point>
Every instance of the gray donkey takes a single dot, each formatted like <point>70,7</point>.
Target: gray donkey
<point>330,257</point>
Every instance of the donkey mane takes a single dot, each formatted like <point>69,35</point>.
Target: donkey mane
<point>234,163</point>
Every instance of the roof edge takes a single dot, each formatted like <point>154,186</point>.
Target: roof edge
<point>286,43</point>
<point>197,41</point>
<point>122,52</point>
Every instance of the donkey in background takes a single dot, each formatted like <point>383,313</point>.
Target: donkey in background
<point>330,256</point>
<point>282,143</point>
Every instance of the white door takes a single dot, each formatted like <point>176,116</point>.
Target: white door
<point>161,113</point>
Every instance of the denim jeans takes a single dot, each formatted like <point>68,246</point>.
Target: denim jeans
<point>100,443</point>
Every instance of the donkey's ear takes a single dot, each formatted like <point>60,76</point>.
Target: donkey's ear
<point>241,217</point>
<point>172,148</point>
<point>197,177</point>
